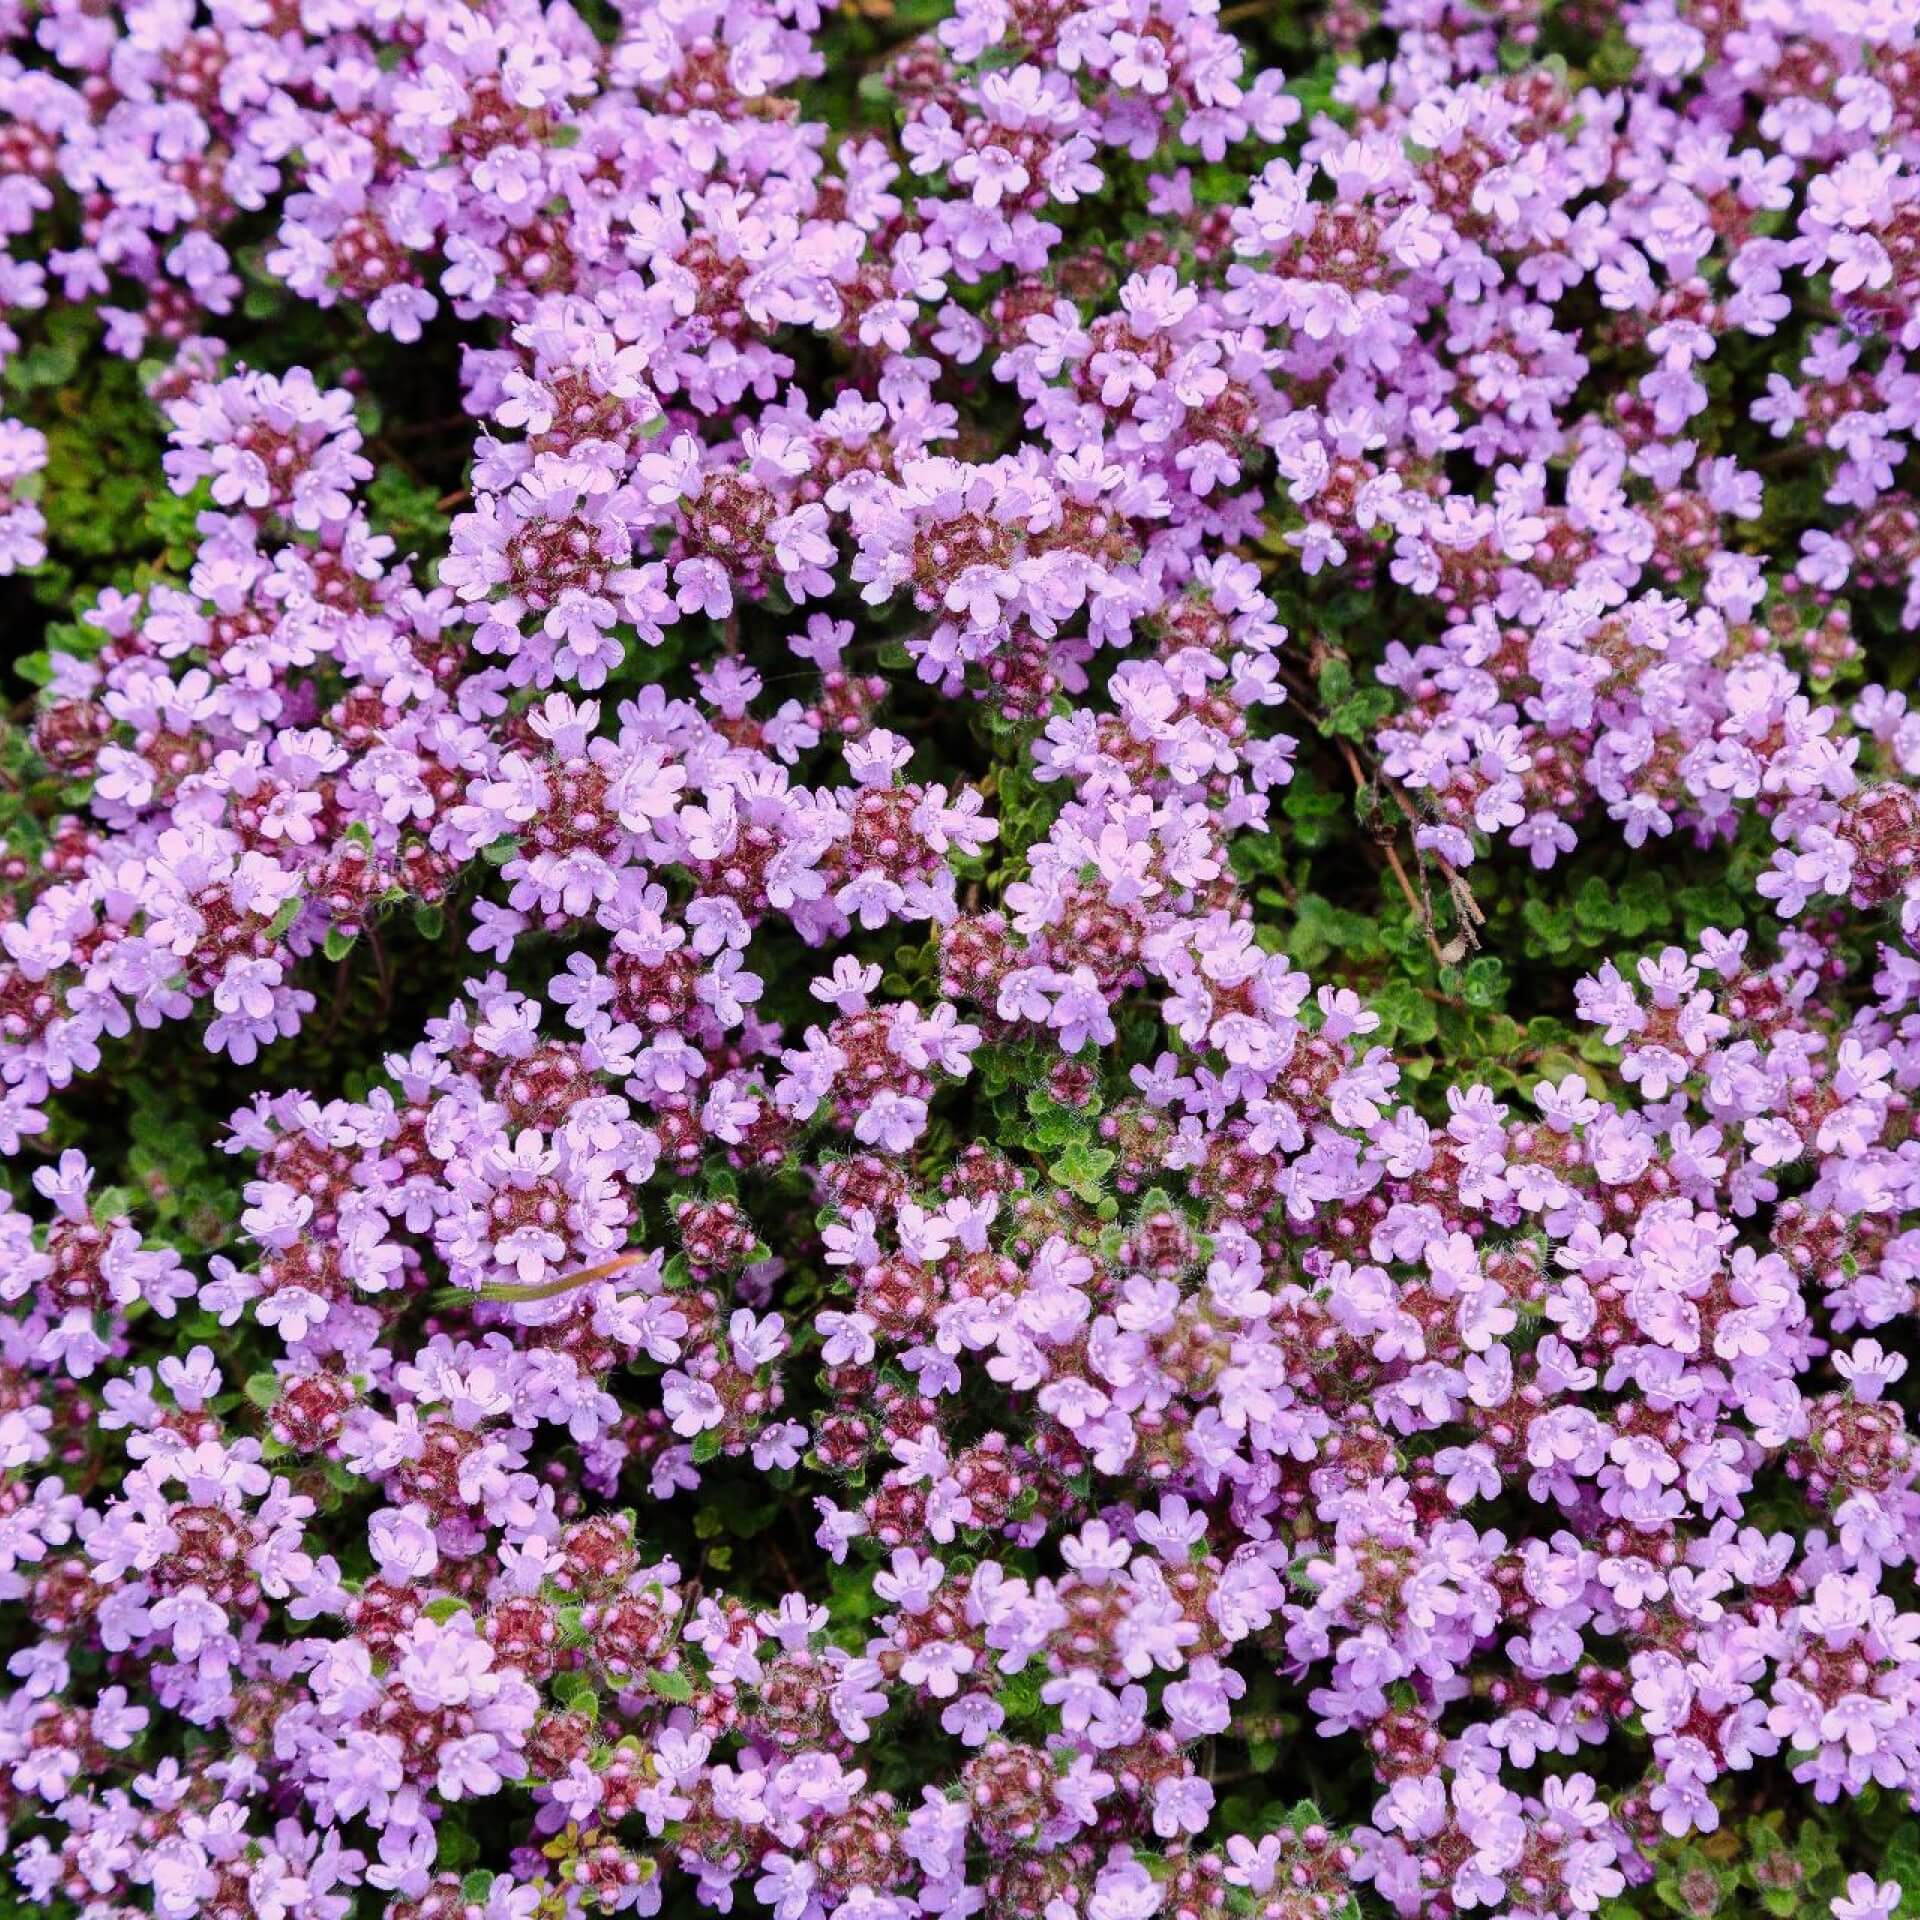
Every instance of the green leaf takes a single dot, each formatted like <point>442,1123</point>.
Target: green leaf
<point>1407,1011</point>
<point>1057,1126</point>
<point>458,1848</point>
<point>576,1694</point>
<point>1643,904</point>
<point>1082,1168</point>
<point>673,1686</point>
<point>1335,682</point>
<point>1483,982</point>
<point>1551,927</point>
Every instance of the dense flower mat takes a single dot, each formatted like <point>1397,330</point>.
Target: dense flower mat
<point>959,959</point>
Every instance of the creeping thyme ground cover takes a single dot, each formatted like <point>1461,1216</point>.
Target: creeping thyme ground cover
<point>959,958</point>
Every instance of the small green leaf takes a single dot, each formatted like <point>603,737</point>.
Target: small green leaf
<point>1082,1168</point>
<point>458,1848</point>
<point>576,1694</point>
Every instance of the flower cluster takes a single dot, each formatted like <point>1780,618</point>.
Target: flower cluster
<point>834,1042</point>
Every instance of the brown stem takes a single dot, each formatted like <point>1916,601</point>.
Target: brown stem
<point>1796,453</point>
<point>1422,911</point>
<point>1465,906</point>
<point>1417,903</point>
<point>567,1283</point>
